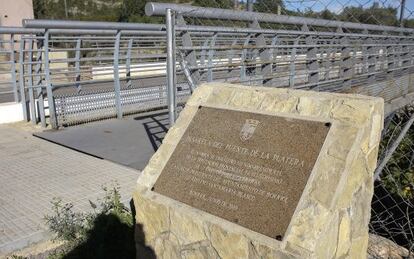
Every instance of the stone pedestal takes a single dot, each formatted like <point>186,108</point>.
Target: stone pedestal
<point>332,215</point>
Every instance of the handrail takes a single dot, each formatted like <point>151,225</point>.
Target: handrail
<point>159,9</point>
<point>64,24</point>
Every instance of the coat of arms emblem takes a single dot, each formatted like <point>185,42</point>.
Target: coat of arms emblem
<point>248,129</point>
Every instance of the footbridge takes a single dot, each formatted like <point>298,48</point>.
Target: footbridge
<point>65,73</point>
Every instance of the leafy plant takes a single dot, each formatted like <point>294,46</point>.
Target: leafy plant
<point>106,232</point>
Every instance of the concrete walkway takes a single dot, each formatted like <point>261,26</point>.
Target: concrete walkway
<point>33,171</point>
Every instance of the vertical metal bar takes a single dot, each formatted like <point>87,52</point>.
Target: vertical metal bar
<point>211,52</point>
<point>128,63</point>
<point>231,55</point>
<point>187,73</point>
<point>171,89</point>
<point>32,104</point>
<point>269,57</point>
<point>405,53</point>
<point>292,66</point>
<point>372,60</point>
<point>190,54</point>
<point>77,63</point>
<point>13,68</point>
<point>50,99</point>
<point>345,65</point>
<point>203,52</point>
<point>312,63</point>
<point>117,83</point>
<point>21,81</point>
<point>40,81</point>
<point>327,61</point>
<point>402,13</point>
<point>260,41</point>
<point>243,68</point>
<point>390,59</point>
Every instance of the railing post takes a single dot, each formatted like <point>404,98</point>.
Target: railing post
<point>39,82</point>
<point>327,62</point>
<point>390,59</point>
<point>32,104</point>
<point>171,88</point>
<point>244,58</point>
<point>128,63</point>
<point>311,59</point>
<point>49,90</point>
<point>13,68</point>
<point>346,65</point>
<point>21,80</point>
<point>211,52</point>
<point>117,83</point>
<point>372,52</point>
<point>77,63</point>
<point>231,55</point>
<point>292,66</point>
<point>269,56</point>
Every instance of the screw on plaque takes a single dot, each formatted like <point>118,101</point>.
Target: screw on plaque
<point>328,124</point>
<point>279,237</point>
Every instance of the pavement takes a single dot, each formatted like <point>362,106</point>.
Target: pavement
<point>34,171</point>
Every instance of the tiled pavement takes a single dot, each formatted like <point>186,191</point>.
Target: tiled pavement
<point>33,171</point>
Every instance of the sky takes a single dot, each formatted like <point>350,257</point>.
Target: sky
<point>337,5</point>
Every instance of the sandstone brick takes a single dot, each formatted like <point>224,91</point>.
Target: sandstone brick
<point>228,245</point>
<point>344,235</point>
<point>152,216</point>
<point>186,228</point>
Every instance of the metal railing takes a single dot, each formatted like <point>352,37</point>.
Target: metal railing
<point>74,72</point>
<point>70,72</point>
<point>321,55</point>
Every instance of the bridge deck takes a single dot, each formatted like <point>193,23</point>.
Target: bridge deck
<point>130,141</point>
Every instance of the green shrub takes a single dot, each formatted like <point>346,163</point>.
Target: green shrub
<point>106,232</point>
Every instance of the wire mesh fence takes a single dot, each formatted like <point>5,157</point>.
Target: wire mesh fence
<point>393,201</point>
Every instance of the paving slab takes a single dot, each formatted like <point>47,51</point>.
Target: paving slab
<point>34,171</point>
<point>130,141</point>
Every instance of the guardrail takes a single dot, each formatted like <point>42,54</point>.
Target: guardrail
<point>321,55</point>
<point>69,72</point>
<point>74,72</point>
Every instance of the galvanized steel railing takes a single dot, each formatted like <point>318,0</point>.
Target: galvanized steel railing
<point>68,72</point>
<point>74,72</point>
<point>315,54</point>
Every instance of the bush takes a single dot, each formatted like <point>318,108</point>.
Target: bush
<point>107,232</point>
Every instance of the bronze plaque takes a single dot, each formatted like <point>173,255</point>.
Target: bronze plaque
<point>245,167</point>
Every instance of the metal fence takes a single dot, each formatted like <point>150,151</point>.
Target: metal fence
<point>75,72</point>
<point>321,55</point>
